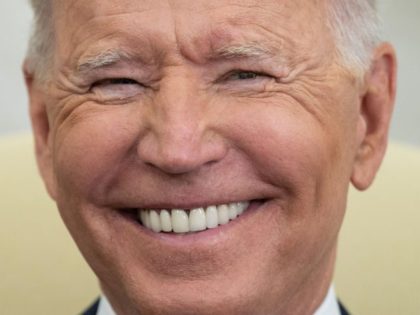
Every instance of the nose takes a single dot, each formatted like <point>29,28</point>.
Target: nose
<point>180,138</point>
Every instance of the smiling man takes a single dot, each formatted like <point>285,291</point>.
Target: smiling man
<point>200,152</point>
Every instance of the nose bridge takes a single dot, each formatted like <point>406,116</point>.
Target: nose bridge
<point>178,104</point>
<point>178,113</point>
<point>180,138</point>
<point>179,131</point>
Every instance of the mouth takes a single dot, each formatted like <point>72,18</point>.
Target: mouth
<point>187,221</point>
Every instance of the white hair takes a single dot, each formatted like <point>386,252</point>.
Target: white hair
<point>40,51</point>
<point>356,27</point>
<point>354,24</point>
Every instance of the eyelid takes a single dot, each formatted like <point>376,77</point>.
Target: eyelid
<point>116,89</point>
<point>228,75</point>
<point>115,81</point>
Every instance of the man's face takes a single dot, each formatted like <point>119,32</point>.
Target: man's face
<point>188,104</point>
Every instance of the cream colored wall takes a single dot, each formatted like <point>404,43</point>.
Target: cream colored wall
<point>378,269</point>
<point>41,271</point>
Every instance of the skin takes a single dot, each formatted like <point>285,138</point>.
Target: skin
<point>188,131</point>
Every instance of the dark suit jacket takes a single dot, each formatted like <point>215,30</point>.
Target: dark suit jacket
<point>94,308</point>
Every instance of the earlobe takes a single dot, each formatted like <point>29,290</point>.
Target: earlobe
<point>41,130</point>
<point>376,108</point>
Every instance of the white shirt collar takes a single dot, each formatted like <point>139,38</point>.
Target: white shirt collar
<point>104,308</point>
<point>330,304</point>
<point>328,307</point>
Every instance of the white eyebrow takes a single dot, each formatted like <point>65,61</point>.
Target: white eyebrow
<point>103,59</point>
<point>113,56</point>
<point>243,51</point>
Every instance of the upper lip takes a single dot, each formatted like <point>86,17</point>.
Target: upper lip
<point>192,199</point>
<point>186,206</point>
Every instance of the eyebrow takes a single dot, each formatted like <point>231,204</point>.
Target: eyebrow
<point>103,59</point>
<point>239,51</point>
<point>113,56</point>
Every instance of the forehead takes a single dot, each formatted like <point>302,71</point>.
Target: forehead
<point>248,10</point>
<point>191,24</point>
<point>109,6</point>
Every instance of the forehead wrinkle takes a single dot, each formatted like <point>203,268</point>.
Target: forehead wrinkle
<point>229,46</point>
<point>118,49</point>
<point>238,37</point>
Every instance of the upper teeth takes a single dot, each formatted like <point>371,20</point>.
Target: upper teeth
<point>199,219</point>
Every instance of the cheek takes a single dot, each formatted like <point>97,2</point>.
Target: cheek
<point>91,145</point>
<point>305,159</point>
<point>283,145</point>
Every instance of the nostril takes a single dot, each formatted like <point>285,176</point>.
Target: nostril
<point>177,160</point>
<point>179,147</point>
<point>174,166</point>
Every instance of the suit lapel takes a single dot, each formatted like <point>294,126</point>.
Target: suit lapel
<point>343,311</point>
<point>93,309</point>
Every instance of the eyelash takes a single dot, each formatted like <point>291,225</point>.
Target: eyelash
<point>242,75</point>
<point>115,81</point>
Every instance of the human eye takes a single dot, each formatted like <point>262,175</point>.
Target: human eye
<point>240,75</point>
<point>245,79</point>
<point>248,76</point>
<point>117,88</point>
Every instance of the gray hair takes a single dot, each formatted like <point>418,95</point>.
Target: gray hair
<point>357,30</point>
<point>354,24</point>
<point>40,51</point>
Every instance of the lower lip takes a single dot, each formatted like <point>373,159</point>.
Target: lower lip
<point>208,235</point>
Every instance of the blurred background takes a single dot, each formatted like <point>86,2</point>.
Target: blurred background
<point>378,271</point>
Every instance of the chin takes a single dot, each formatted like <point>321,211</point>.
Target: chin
<point>251,264</point>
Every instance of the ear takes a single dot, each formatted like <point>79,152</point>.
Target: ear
<point>377,103</point>
<point>41,129</point>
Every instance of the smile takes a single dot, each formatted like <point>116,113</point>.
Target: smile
<point>180,221</point>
